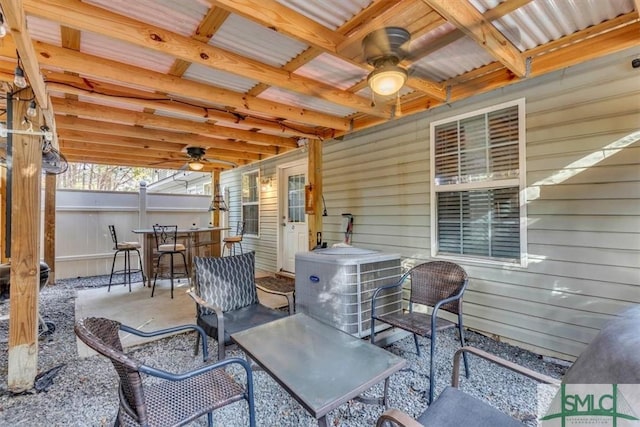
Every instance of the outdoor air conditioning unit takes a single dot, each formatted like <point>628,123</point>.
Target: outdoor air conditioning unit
<point>335,286</point>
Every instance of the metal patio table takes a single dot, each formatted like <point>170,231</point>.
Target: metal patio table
<point>318,365</point>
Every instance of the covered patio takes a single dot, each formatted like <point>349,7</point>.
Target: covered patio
<point>508,144</point>
<point>84,391</point>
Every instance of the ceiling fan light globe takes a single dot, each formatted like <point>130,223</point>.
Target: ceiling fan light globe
<point>196,165</point>
<point>387,80</point>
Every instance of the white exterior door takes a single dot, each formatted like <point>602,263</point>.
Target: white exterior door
<point>293,220</point>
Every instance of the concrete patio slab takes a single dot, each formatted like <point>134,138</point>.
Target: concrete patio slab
<point>136,309</point>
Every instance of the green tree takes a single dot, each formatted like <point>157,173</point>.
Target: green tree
<point>87,176</point>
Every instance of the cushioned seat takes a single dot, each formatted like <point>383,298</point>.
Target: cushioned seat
<point>455,408</point>
<point>126,248</point>
<point>226,297</point>
<point>166,237</point>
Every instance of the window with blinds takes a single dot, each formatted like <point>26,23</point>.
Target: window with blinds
<point>476,182</point>
<point>251,202</point>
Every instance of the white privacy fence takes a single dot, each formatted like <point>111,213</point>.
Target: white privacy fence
<point>83,243</point>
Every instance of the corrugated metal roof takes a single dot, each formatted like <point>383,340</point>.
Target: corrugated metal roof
<point>175,115</point>
<point>330,13</point>
<point>536,23</point>
<point>181,17</point>
<point>249,39</point>
<point>328,69</point>
<point>202,74</point>
<point>452,60</point>
<point>115,50</point>
<point>112,102</point>
<point>304,101</point>
<point>44,30</point>
<point>542,21</point>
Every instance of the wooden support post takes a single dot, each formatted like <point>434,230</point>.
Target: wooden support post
<point>3,215</point>
<point>50,225</point>
<point>25,251</point>
<point>215,181</point>
<point>315,180</point>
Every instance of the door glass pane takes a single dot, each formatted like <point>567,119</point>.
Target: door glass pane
<point>295,194</point>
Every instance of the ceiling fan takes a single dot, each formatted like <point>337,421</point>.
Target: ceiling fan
<point>384,49</point>
<point>196,159</point>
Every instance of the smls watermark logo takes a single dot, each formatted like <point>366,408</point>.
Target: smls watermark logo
<point>591,405</point>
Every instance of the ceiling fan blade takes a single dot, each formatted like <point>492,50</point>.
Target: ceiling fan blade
<point>388,42</point>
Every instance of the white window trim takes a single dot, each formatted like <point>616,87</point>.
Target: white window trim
<point>243,204</point>
<point>520,181</point>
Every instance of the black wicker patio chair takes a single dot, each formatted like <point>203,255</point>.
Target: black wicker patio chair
<point>439,285</point>
<point>179,399</point>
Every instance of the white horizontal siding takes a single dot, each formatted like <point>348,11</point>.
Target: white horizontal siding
<point>583,204</point>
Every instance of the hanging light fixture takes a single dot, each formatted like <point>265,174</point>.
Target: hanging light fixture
<point>3,28</point>
<point>18,78</point>
<point>196,165</point>
<point>31,111</point>
<point>218,204</point>
<point>387,78</point>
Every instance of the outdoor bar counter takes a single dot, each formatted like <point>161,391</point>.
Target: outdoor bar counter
<point>199,241</point>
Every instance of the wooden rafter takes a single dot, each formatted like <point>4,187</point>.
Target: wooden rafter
<point>83,16</point>
<point>14,16</point>
<point>470,21</point>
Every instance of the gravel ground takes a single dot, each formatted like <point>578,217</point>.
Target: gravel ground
<point>84,392</point>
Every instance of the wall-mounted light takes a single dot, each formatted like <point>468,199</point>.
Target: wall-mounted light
<point>266,183</point>
<point>18,78</point>
<point>31,111</point>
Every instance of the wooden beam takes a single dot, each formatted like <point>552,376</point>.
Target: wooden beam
<point>138,161</point>
<point>209,25</point>
<point>3,215</point>
<point>285,20</point>
<point>499,11</point>
<point>25,254</point>
<point>50,225</point>
<point>215,215</point>
<point>98,143</point>
<point>142,100</point>
<point>315,166</point>
<point>468,19</point>
<point>117,115</point>
<point>187,139</point>
<point>14,17</point>
<point>104,69</point>
<point>83,16</point>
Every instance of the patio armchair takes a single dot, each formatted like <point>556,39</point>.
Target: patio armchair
<point>439,285</point>
<point>455,408</point>
<point>175,399</point>
<point>226,297</point>
<point>610,358</point>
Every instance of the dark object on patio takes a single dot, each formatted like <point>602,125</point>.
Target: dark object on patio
<point>44,380</point>
<point>45,328</point>
<point>227,299</point>
<point>455,408</point>
<point>126,248</point>
<point>180,398</point>
<point>230,242</point>
<point>611,358</point>
<point>167,245</point>
<point>5,277</point>
<point>437,284</point>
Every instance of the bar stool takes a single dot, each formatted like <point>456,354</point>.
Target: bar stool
<point>127,248</point>
<point>230,242</point>
<point>167,244</point>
